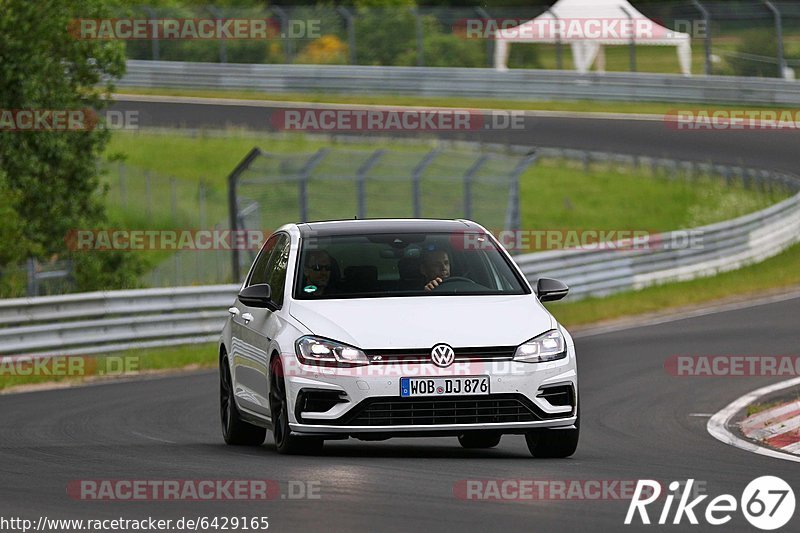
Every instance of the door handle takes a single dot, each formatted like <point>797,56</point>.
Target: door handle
<point>247,317</point>
<point>233,311</point>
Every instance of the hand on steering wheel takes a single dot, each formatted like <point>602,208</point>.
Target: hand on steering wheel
<point>438,282</point>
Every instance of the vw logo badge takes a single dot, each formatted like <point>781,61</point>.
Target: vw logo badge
<point>442,355</point>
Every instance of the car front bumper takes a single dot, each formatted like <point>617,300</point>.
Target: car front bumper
<point>375,383</point>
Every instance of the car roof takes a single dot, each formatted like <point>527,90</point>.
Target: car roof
<point>385,225</point>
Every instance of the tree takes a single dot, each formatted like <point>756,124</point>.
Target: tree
<point>49,180</point>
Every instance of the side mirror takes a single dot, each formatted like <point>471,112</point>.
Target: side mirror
<point>259,295</point>
<point>550,290</point>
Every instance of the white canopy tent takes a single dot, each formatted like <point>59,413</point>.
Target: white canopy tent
<point>588,26</point>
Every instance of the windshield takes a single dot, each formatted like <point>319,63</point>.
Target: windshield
<point>403,264</point>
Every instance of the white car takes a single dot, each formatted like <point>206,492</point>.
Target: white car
<point>385,328</point>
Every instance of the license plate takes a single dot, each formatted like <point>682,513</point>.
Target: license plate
<point>466,386</point>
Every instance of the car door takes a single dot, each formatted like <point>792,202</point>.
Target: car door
<point>261,325</point>
<point>248,358</point>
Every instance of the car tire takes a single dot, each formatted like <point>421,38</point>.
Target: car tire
<point>235,431</point>
<point>554,443</point>
<point>285,442</point>
<point>479,440</point>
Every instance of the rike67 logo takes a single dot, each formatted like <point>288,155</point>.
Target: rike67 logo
<point>767,502</point>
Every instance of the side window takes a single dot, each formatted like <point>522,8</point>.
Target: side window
<point>259,274</point>
<point>276,271</point>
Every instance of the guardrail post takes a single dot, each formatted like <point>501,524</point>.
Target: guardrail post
<point>349,21</point>
<point>122,192</point>
<point>233,207</point>
<point>707,21</point>
<point>779,35</point>
<point>31,268</point>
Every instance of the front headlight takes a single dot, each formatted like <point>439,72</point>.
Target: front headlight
<point>320,351</point>
<point>549,346</point>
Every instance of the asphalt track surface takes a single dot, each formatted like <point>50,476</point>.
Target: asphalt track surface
<point>638,422</point>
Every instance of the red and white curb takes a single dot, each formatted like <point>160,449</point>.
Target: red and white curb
<point>780,425</point>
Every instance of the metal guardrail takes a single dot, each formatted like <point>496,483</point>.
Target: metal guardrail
<point>96,322</point>
<point>522,84</point>
<point>102,322</point>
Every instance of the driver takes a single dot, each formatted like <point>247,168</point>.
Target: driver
<point>435,267</point>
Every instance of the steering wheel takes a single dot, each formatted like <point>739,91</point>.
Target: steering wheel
<point>452,279</point>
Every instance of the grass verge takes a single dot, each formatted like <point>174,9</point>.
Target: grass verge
<point>78,369</point>
<point>575,106</point>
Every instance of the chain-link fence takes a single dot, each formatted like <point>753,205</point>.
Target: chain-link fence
<point>737,37</point>
<point>268,190</point>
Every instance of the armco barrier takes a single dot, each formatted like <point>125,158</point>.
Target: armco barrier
<point>96,322</point>
<point>462,82</point>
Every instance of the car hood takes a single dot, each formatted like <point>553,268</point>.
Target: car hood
<point>422,322</point>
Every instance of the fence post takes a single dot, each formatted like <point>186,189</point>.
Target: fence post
<point>468,184</point>
<point>315,160</point>
<point>223,50</point>
<point>707,20</point>
<point>779,35</point>
<point>559,60</point>
<point>233,206</point>
<point>361,176</point>
<point>287,42</point>
<point>153,42</point>
<point>633,39</point>
<point>489,42</point>
<point>513,218</point>
<point>420,44</point>
<point>351,32</point>
<point>416,176</point>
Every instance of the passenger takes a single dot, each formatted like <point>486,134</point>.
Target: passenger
<point>435,267</point>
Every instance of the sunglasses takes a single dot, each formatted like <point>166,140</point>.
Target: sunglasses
<point>318,268</point>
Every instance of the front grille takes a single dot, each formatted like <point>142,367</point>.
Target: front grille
<point>423,355</point>
<point>498,408</point>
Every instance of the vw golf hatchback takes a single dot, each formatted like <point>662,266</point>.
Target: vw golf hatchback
<point>374,329</point>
